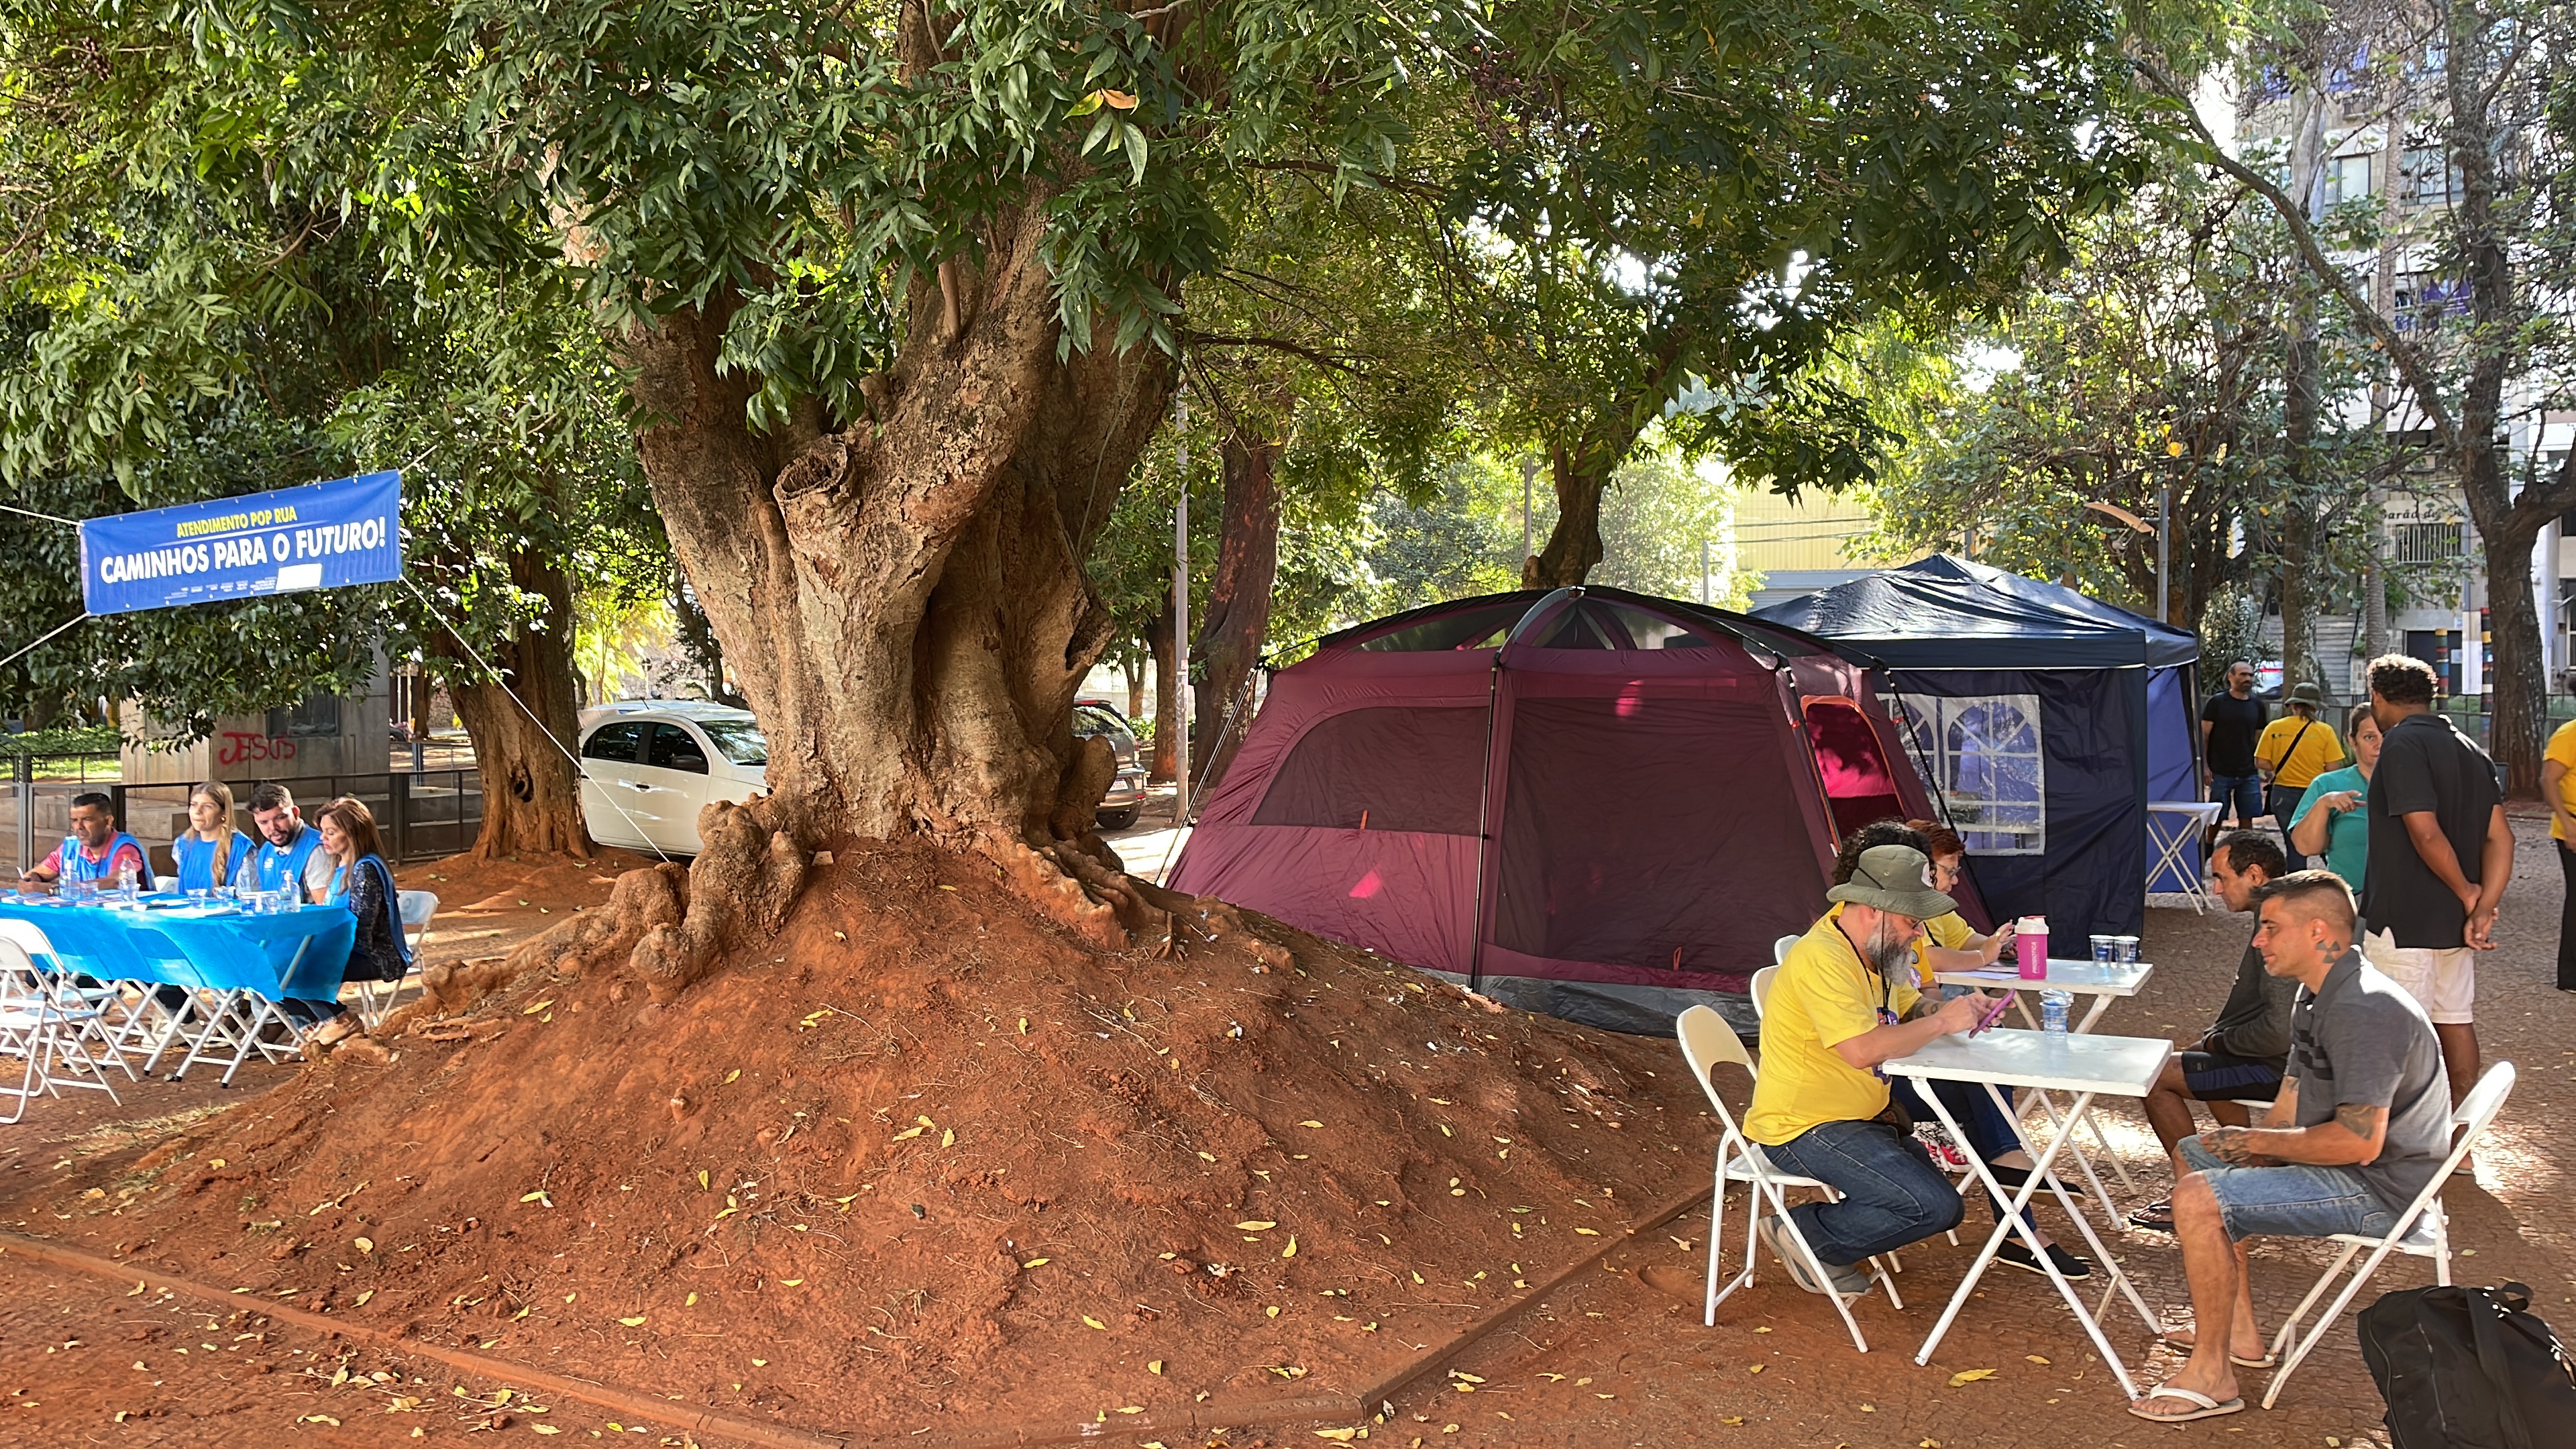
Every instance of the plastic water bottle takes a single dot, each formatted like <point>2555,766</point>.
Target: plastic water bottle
<point>2054,1007</point>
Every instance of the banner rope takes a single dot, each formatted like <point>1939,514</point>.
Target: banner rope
<point>40,643</point>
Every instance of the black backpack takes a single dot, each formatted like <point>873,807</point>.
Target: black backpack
<point>2469,1368</point>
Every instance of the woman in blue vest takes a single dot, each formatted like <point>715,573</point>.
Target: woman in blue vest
<point>365,883</point>
<point>211,851</point>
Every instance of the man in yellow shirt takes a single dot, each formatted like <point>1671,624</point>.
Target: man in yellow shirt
<point>2293,751</point>
<point>1843,1003</point>
<point>2558,787</point>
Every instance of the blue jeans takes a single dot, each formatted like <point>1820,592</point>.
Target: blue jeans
<point>1892,1195</point>
<point>2237,795</point>
<point>2293,1200</point>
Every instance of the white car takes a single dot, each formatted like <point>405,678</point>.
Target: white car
<point>649,765</point>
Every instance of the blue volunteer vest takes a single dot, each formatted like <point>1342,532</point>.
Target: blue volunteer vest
<point>393,899</point>
<point>76,866</point>
<point>196,860</point>
<point>279,868</point>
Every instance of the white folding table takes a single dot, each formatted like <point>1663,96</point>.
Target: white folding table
<point>2172,827</point>
<point>2101,980</point>
<point>2085,1066</point>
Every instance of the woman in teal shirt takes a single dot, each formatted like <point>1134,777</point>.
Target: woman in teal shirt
<point>2330,822</point>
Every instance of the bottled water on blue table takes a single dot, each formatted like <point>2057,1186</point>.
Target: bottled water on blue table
<point>2054,1006</point>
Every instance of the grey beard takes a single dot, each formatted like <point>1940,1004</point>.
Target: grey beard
<point>1886,956</point>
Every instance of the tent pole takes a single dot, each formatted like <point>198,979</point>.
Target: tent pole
<point>1484,827</point>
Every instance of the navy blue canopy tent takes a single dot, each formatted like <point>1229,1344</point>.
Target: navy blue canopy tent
<point>2043,720</point>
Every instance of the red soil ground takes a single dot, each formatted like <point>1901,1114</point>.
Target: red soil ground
<point>1078,1143</point>
<point>925,1161</point>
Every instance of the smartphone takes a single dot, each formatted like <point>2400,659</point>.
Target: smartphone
<point>1994,1013</point>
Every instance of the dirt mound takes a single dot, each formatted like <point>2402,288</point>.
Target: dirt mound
<point>921,1158</point>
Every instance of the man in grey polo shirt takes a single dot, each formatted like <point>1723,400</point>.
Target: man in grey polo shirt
<point>2361,1126</point>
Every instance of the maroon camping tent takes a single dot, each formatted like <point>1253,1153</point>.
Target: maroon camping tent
<point>1592,803</point>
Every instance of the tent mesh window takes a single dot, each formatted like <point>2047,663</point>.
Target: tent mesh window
<point>1469,629</point>
<point>1986,763</point>
<point>1389,767</point>
<point>1634,834</point>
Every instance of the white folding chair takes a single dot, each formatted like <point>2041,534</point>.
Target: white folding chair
<point>2422,1231</point>
<point>375,998</point>
<point>1708,1043</point>
<point>1780,950</point>
<point>92,1002</point>
<point>1761,989</point>
<point>45,1024</point>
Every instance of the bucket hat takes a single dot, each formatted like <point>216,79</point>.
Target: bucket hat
<point>1894,878</point>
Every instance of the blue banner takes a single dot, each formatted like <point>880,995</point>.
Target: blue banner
<point>319,536</point>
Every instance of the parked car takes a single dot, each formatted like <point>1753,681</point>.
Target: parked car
<point>649,765</point>
<point>1126,798</point>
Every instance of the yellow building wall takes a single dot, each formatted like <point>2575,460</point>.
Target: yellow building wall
<point>1816,532</point>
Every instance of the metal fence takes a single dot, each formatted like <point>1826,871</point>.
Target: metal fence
<point>422,815</point>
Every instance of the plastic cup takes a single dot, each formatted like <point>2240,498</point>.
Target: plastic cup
<point>2128,948</point>
<point>2106,949</point>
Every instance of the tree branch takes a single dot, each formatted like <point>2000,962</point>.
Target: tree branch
<point>2411,365</point>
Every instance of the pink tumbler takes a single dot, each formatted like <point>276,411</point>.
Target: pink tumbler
<point>2030,947</point>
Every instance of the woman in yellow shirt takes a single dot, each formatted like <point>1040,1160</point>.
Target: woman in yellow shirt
<point>2294,750</point>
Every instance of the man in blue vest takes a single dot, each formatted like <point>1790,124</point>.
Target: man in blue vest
<point>95,850</point>
<point>290,852</point>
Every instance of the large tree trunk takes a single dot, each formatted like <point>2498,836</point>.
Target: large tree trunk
<point>1237,619</point>
<point>1574,545</point>
<point>903,601</point>
<point>531,792</point>
<point>2300,401</point>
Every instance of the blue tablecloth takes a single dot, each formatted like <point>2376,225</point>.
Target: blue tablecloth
<point>297,953</point>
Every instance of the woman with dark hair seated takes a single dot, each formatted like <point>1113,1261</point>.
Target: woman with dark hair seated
<point>365,883</point>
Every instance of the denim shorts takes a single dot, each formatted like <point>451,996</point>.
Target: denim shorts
<point>2294,1200</point>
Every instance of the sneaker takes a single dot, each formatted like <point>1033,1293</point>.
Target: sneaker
<point>1849,1281</point>
<point>2017,1254</point>
<point>1945,1153</point>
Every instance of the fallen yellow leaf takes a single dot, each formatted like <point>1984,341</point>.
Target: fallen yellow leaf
<point>1155,1367</point>
<point>1732,1420</point>
<point>1207,1157</point>
<point>1970,1376</point>
<point>2035,1358</point>
<point>1257,1225</point>
<point>636,1322</point>
<point>538,1196</point>
<point>1289,1251</point>
<point>734,1075</point>
<point>1587,1232</point>
<point>702,1177</point>
<point>1310,1123</point>
<point>1024,1026</point>
<point>907,1133</point>
<point>1338,1436</point>
<point>948,1138</point>
<point>545,1428</point>
<point>1132,1409</point>
<point>366,1245</point>
<point>540,1006</point>
<point>1755,1369</point>
<point>791,1282</point>
<point>363,1297</point>
<point>1037,1262</point>
<point>1091,1322</point>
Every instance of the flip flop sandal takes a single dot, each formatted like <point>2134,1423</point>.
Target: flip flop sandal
<point>2238,1359</point>
<point>2205,1407</point>
<point>2155,1217</point>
